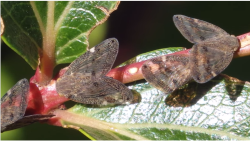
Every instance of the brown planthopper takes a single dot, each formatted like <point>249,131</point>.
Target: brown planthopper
<point>212,52</point>
<point>13,107</point>
<point>86,82</point>
<point>213,47</point>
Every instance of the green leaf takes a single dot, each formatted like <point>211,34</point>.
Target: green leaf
<point>58,29</point>
<point>75,27</point>
<point>215,110</point>
<point>21,33</point>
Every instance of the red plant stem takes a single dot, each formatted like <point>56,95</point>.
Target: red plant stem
<point>132,72</point>
<point>44,71</point>
<point>244,49</point>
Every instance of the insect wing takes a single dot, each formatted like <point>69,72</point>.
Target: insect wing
<point>14,103</point>
<point>85,80</point>
<point>167,73</point>
<point>208,59</point>
<point>101,91</point>
<point>27,120</point>
<point>98,59</point>
<point>195,30</point>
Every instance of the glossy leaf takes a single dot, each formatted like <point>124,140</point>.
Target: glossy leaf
<point>222,112</point>
<point>21,33</point>
<point>60,28</point>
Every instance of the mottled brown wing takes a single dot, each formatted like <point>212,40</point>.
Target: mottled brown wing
<point>167,73</point>
<point>210,58</point>
<point>27,120</point>
<point>85,80</point>
<point>98,59</point>
<point>98,91</point>
<point>14,103</point>
<point>195,30</point>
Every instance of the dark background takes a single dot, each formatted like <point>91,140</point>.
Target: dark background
<point>140,27</point>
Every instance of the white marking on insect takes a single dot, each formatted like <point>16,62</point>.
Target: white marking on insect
<point>92,49</point>
<point>213,73</point>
